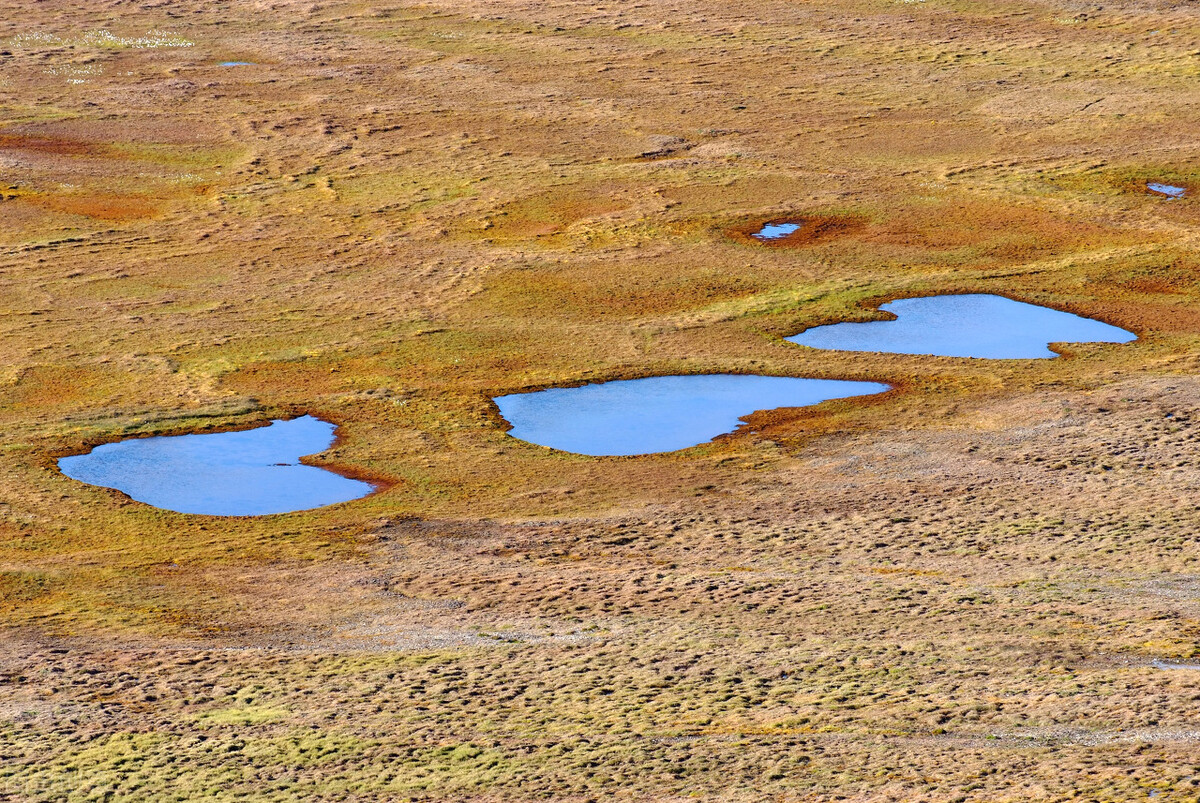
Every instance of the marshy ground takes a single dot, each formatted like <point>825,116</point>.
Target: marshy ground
<point>962,589</point>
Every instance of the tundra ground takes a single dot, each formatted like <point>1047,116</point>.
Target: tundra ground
<point>982,585</point>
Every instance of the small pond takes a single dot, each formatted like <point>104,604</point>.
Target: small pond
<point>252,472</point>
<point>1158,663</point>
<point>236,64</point>
<point>974,325</point>
<point>1167,189</point>
<point>776,231</point>
<point>659,414</point>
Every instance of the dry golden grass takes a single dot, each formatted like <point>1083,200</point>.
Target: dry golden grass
<point>954,591</point>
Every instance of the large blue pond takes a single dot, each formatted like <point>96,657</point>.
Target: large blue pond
<point>658,414</point>
<point>248,473</point>
<point>975,325</point>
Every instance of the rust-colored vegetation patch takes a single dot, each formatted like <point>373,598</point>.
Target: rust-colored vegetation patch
<point>954,229</point>
<point>1141,312</point>
<point>51,146</point>
<point>813,229</point>
<point>551,212</point>
<point>1188,191</point>
<point>99,206</point>
<point>1137,182</point>
<point>1172,276</point>
<point>1145,293</point>
<point>60,386</point>
<point>998,232</point>
<point>1130,180</point>
<point>796,426</point>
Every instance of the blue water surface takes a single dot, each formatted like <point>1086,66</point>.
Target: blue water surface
<point>974,325</point>
<point>253,472</point>
<point>774,231</point>
<point>659,414</point>
<point>236,64</point>
<point>1168,190</point>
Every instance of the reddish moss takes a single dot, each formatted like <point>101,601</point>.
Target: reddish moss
<point>813,229</point>
<point>101,206</point>
<point>52,146</point>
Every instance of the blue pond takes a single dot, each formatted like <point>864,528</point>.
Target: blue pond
<point>248,473</point>
<point>658,414</point>
<point>1167,190</point>
<point>774,231</point>
<point>975,325</point>
<point>236,64</point>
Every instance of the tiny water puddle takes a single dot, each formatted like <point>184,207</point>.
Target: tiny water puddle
<point>236,64</point>
<point>775,231</point>
<point>659,414</point>
<point>1168,190</point>
<point>1160,664</point>
<point>253,472</point>
<point>972,325</point>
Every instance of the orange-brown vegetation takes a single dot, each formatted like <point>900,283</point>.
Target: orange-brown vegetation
<point>813,229</point>
<point>52,146</point>
<point>101,206</point>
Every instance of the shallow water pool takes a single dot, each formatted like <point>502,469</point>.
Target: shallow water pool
<point>659,414</point>
<point>1158,663</point>
<point>775,231</point>
<point>973,325</point>
<point>1168,190</point>
<point>252,472</point>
